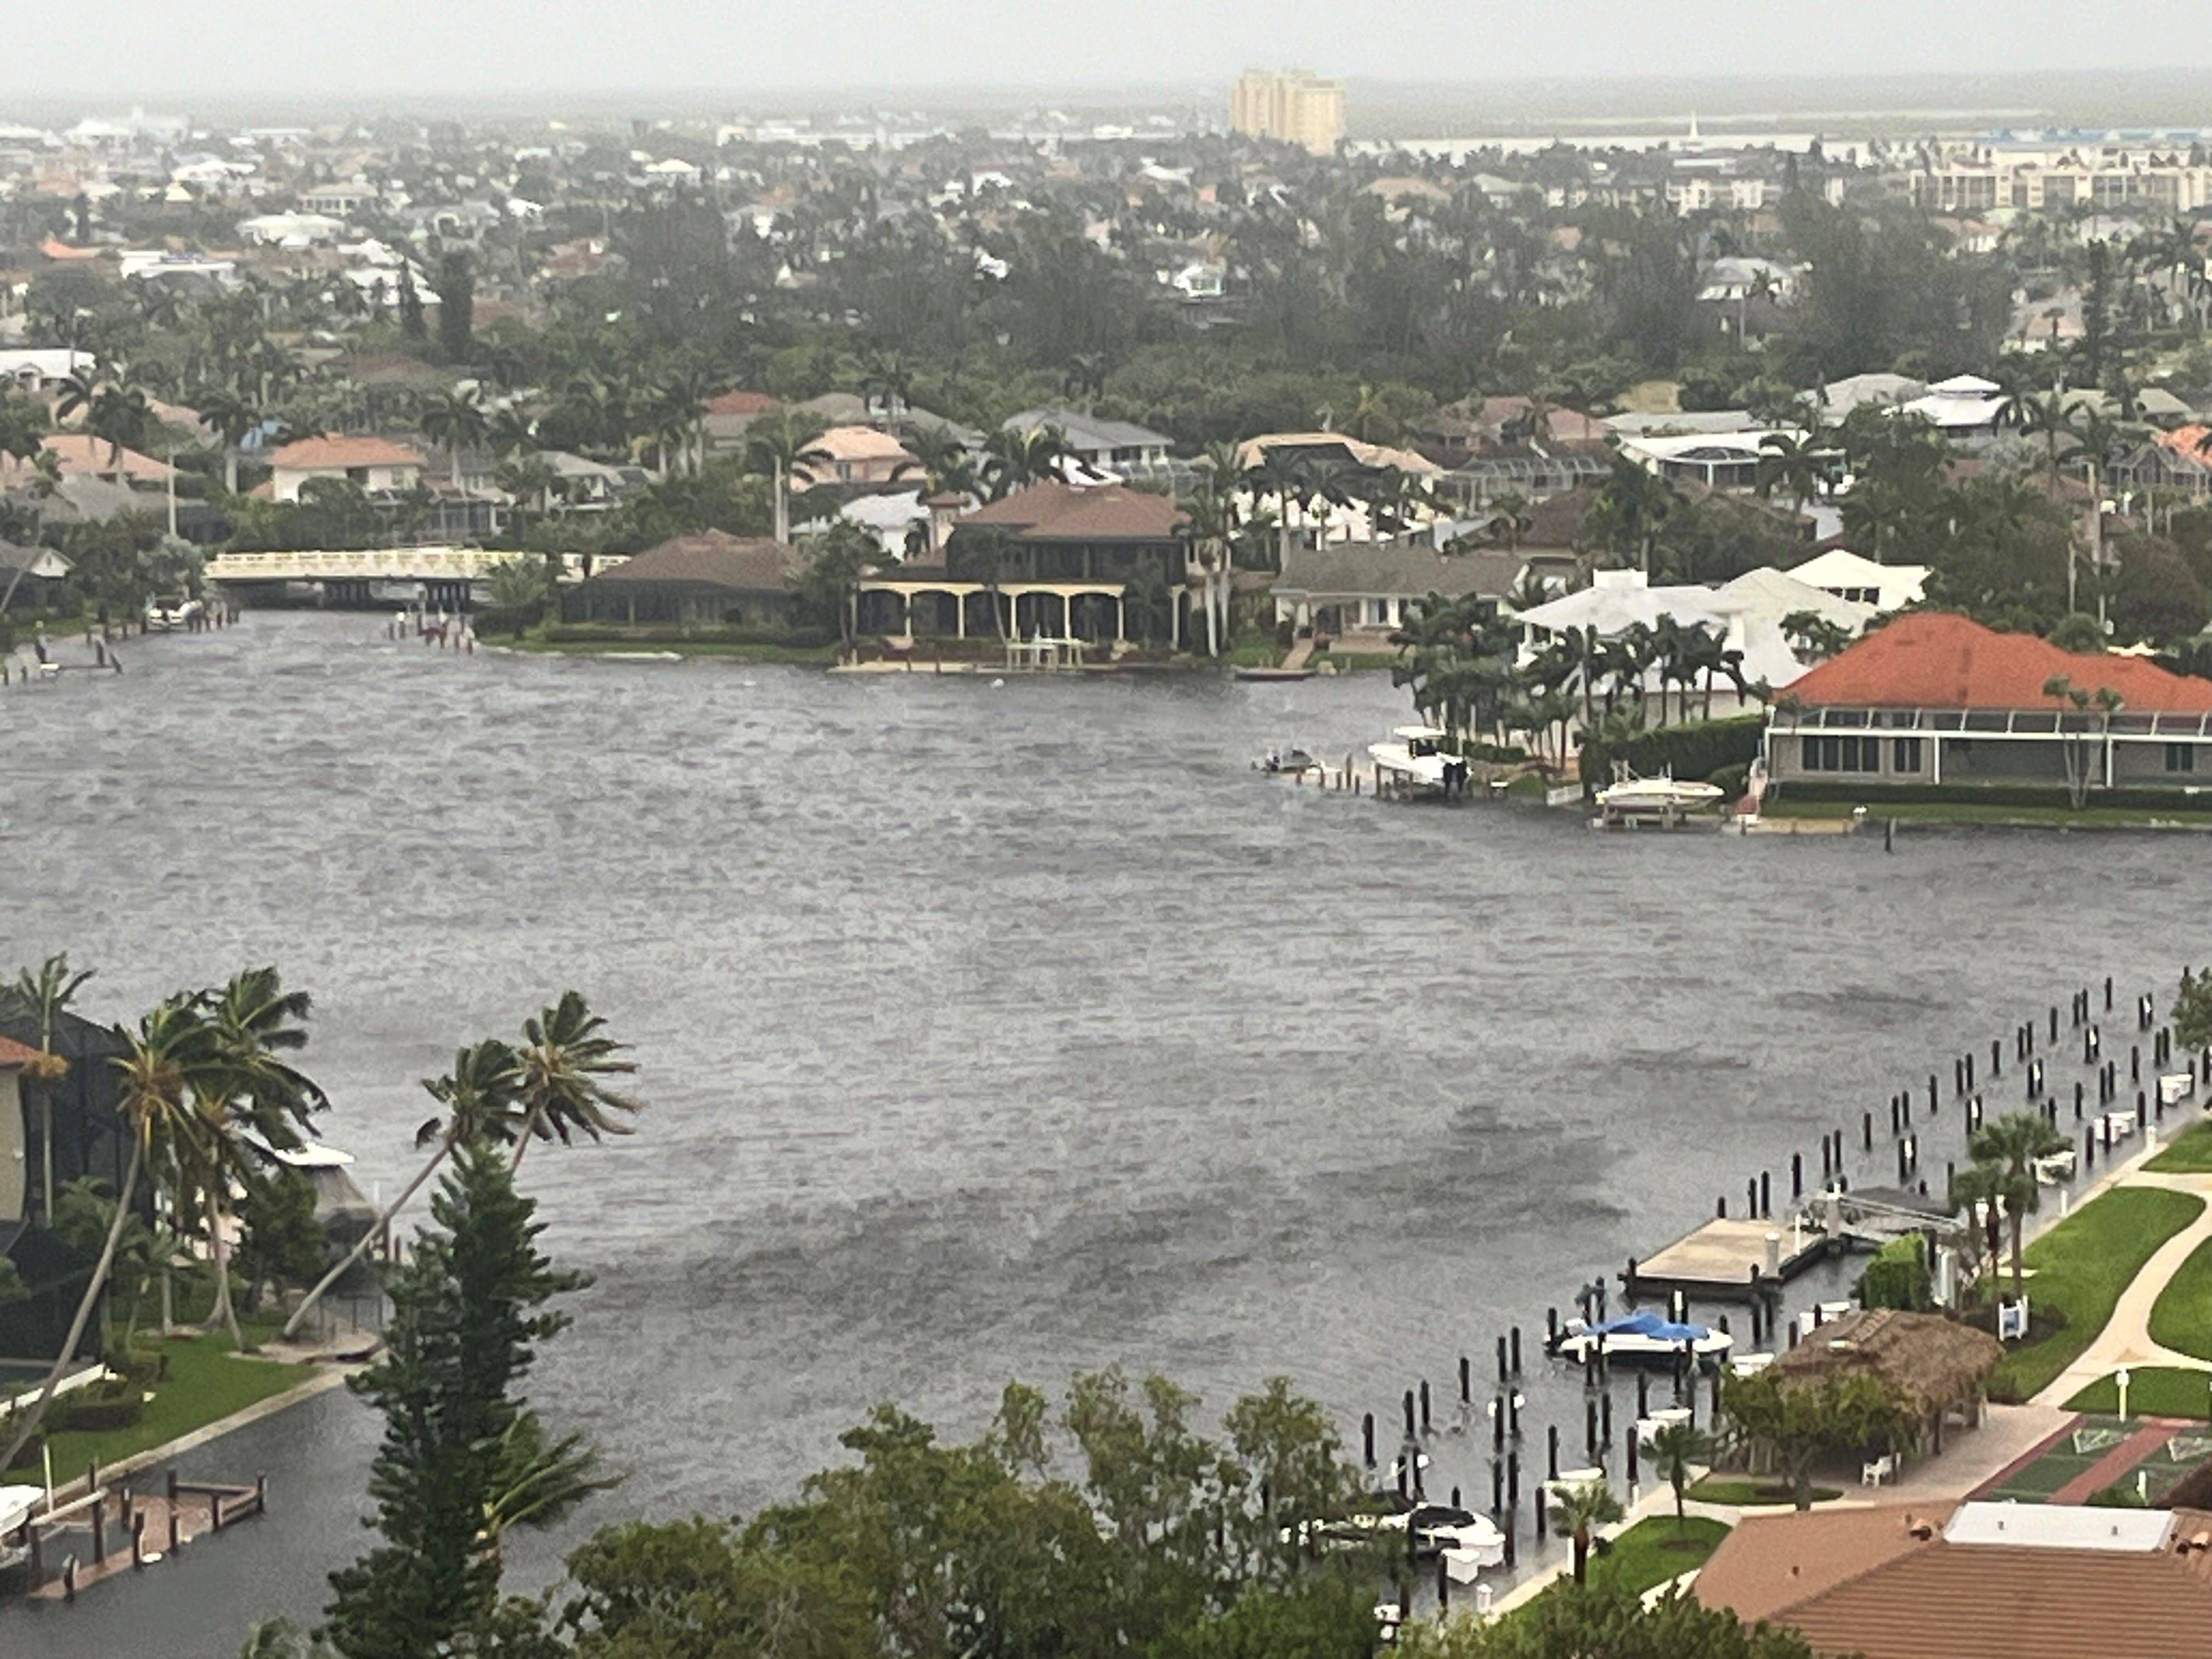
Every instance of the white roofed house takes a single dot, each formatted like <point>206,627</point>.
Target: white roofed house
<point>1849,575</point>
<point>1965,406</point>
<point>1110,447</point>
<point>1745,616</point>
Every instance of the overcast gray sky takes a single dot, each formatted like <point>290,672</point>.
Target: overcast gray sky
<point>319,46</point>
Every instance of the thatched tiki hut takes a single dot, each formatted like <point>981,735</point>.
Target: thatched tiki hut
<point>1935,1365</point>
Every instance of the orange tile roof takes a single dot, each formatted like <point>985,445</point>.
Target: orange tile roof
<point>1933,659</point>
<point>335,451</point>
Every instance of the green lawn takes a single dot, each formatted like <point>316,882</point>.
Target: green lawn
<point>2190,1153</point>
<point>1253,651</point>
<point>744,650</point>
<point>206,1382</point>
<point>1736,1491</point>
<point>1352,662</point>
<point>2153,1391</point>
<point>2081,1265</point>
<point>2181,1318</point>
<point>1653,1551</point>
<point>1969,811</point>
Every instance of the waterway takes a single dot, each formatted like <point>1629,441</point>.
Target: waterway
<point>988,1031</point>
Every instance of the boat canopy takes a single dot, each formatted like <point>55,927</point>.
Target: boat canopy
<point>1420,734</point>
<point>1652,1326</point>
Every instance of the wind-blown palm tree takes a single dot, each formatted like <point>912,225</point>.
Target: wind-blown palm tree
<point>455,419</point>
<point>230,417</point>
<point>44,996</point>
<point>479,1101</point>
<point>565,1065</point>
<point>171,1049</point>
<point>1631,504</point>
<point>1014,459</point>
<point>1578,1511</point>
<point>1789,463</point>
<point>254,1095</point>
<point>1280,475</point>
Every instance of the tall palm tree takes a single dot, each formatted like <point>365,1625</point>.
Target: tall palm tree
<point>254,1095</point>
<point>1631,504</point>
<point>2010,1145</point>
<point>1578,1511</point>
<point>230,417</point>
<point>1212,520</point>
<point>479,1101</point>
<point>780,446</point>
<point>1014,459</point>
<point>565,1065</point>
<point>1277,475</point>
<point>455,419</point>
<point>171,1049</point>
<point>1789,463</point>
<point>44,996</point>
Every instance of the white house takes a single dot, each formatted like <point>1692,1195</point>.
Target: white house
<point>1847,575</point>
<point>39,368</point>
<point>374,464</point>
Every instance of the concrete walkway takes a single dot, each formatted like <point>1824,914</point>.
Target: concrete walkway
<point>2126,1338</point>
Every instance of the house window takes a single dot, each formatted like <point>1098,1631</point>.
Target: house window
<point>2181,758</point>
<point>1843,754</point>
<point>1905,754</point>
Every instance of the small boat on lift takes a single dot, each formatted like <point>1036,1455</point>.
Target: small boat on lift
<point>1289,759</point>
<point>1660,798</point>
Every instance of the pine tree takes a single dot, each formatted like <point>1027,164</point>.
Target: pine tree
<point>411,307</point>
<point>456,292</point>
<point>468,1310</point>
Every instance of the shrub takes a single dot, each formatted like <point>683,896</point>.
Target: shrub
<point>1732,780</point>
<point>1898,1276</point>
<point>1690,753</point>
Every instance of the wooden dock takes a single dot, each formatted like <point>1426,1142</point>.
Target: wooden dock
<point>112,1530</point>
<point>1728,1260</point>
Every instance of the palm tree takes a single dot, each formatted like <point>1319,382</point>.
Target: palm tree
<point>564,1063</point>
<point>2079,760</point>
<point>1675,1449</point>
<point>780,446</point>
<point>1578,1511</point>
<point>230,417</point>
<point>455,419</point>
<point>1212,520</point>
<point>480,1100</point>
<point>171,1049</point>
<point>254,1096</point>
<point>1790,464</point>
<point>2010,1145</point>
<point>1631,504</point>
<point>1013,459</point>
<point>1277,474</point>
<point>44,996</point>
<point>536,1482</point>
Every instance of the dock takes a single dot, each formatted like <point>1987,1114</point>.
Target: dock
<point>112,1530</point>
<point>1729,1260</point>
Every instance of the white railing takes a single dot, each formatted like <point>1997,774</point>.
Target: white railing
<point>382,564</point>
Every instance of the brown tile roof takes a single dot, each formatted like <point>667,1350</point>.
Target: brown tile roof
<point>712,558</point>
<point>1932,660</point>
<point>1058,511</point>
<point>15,1056</point>
<point>1860,1582</point>
<point>336,452</point>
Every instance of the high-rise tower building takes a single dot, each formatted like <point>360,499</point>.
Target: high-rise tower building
<point>1294,105</point>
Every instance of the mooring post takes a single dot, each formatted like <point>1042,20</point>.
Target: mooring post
<point>1424,1406</point>
<point>1517,1330</point>
<point>1996,1067</point>
<point>1796,1177</point>
<point>1498,1424</point>
<point>2077,1100</point>
<point>2108,993</point>
<point>1496,1486</point>
<point>1552,1451</point>
<point>1866,1128</point>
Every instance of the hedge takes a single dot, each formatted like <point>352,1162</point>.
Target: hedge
<point>1692,753</point>
<point>1898,1276</point>
<point>673,634</point>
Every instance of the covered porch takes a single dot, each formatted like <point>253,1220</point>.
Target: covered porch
<point>904,608</point>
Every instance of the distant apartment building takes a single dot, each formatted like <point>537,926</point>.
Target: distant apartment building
<point>1294,105</point>
<point>2037,185</point>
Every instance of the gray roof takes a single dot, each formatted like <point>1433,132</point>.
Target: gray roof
<point>1089,431</point>
<point>1402,569</point>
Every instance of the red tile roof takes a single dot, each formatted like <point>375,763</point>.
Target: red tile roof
<point>1058,511</point>
<point>338,452</point>
<point>1932,660</point>
<point>740,403</point>
<point>14,1055</point>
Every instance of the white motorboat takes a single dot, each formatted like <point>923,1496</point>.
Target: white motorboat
<point>175,611</point>
<point>17,1505</point>
<point>1656,798</point>
<point>1417,761</point>
<point>1639,1336</point>
<point>1290,759</point>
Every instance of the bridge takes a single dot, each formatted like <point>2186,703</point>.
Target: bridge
<point>447,576</point>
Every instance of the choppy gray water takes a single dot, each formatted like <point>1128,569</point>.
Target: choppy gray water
<point>989,1032</point>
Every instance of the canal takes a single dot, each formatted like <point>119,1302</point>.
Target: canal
<point>989,1031</point>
